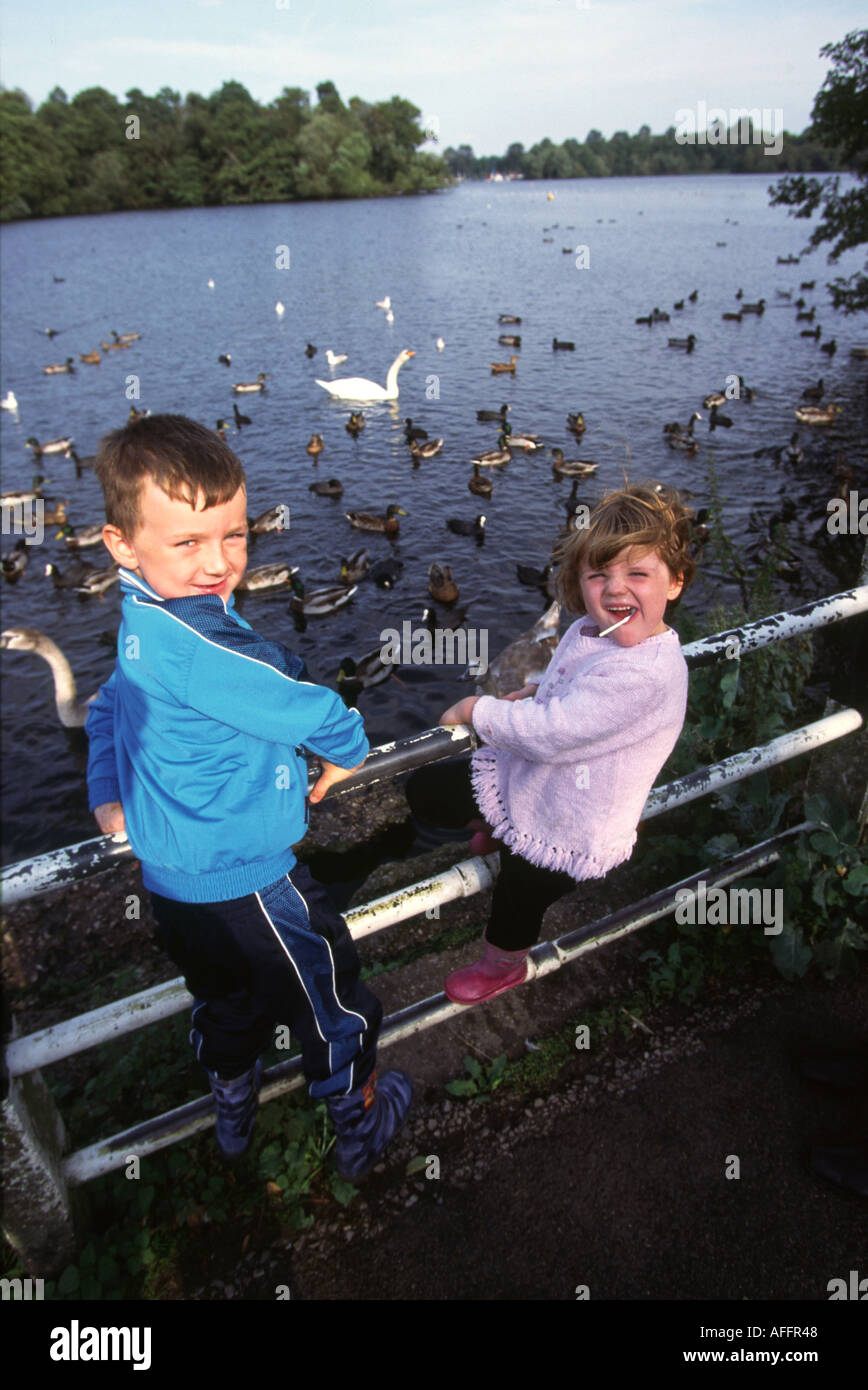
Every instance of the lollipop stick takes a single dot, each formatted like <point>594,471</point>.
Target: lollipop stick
<point>620,623</point>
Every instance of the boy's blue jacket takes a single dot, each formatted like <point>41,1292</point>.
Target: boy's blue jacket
<point>198,733</point>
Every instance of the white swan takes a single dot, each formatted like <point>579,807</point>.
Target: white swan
<point>335,359</point>
<point>357,388</point>
<point>71,712</point>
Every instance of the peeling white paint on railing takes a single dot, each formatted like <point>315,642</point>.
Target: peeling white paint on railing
<point>778,627</point>
<point>547,957</point>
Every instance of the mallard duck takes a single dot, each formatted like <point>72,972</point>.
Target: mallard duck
<point>60,367</point>
<point>508,318</point>
<point>55,516</point>
<point>572,468</point>
<point>714,398</point>
<point>332,488</point>
<point>221,428</point>
<point>679,304</point>
<point>266,577</point>
<point>80,537</point>
<point>71,712</point>
<point>525,659</point>
<point>559,345</point>
<point>784,294</point>
<point>814,393</point>
<point>310,350</point>
<point>693,297</point>
<point>316,446</point>
<point>358,388</point>
<point>530,443</point>
<point>758,308</point>
<point>467,528</point>
<point>830,348</point>
<point>370,521</point>
<point>240,387</point>
<point>688,343</point>
<point>225,358</point>
<point>815,333</point>
<point>275,519</point>
<point>412,431</point>
<point>806,315</point>
<point>335,359</point>
<point>492,458</point>
<point>537,579</point>
<point>125,337</point>
<point>356,423</point>
<point>576,423</point>
<point>240,419</point>
<point>441,585</point>
<point>645,318</point>
<point>354,567</point>
<point>428,450</point>
<point>71,577</point>
<point>94,358</point>
<point>15,561</point>
<point>510,340</point>
<point>386,573</point>
<point>15,499</point>
<point>356,676</point>
<point>498,415</point>
<point>733,318</point>
<point>483,487</point>
<point>113,347</point>
<point>138,414</point>
<point>97,582</point>
<point>504,366</point>
<point>318,602</point>
<point>658,316</point>
<point>817,414</point>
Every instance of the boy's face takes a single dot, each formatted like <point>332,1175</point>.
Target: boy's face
<point>635,580</point>
<point>182,550</point>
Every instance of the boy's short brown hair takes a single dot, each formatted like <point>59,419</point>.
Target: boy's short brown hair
<point>647,515</point>
<point>182,457</point>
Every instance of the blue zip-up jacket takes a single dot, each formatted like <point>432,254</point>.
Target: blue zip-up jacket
<point>198,733</point>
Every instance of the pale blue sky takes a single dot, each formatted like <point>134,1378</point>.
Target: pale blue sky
<point>484,72</point>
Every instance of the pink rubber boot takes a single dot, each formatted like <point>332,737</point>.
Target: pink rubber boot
<point>495,973</point>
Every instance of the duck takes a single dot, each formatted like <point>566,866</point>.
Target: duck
<point>412,431</point>
<point>266,577</point>
<point>467,528</point>
<point>355,676</point>
<point>498,415</point>
<point>745,392</point>
<point>71,711</point>
<point>793,452</point>
<point>492,458</point>
<point>784,294</point>
<point>831,347</point>
<point>524,660</point>
<point>693,297</point>
<point>530,443</point>
<point>97,581</point>
<point>386,573</point>
<point>678,305</point>
<point>688,343</point>
<point>448,621</point>
<point>504,366</point>
<point>55,516</point>
<point>428,450</point>
<point>15,561</point>
<point>9,401</point>
<point>817,414</point>
<point>674,429</point>
<point>715,420</point>
<point>561,345</point>
<point>79,537</point>
<point>222,428</point>
<point>125,337</point>
<point>310,350</point>
<point>510,340</point>
<point>483,487</point>
<point>356,423</point>
<point>20,499</point>
<point>357,388</point>
<point>814,393</point>
<point>315,446</point>
<point>240,419</point>
<point>576,423</point>
<point>712,399</point>
<point>225,358</point>
<point>758,308</point>
<point>815,333</point>
<point>537,579</point>
<point>138,414</point>
<point>94,358</point>
<point>335,359</point>
<point>370,521</point>
<point>807,284</point>
<point>508,318</point>
<point>645,318</point>
<point>441,585</point>
<point>806,315</point>
<point>245,387</point>
<point>275,519</point>
<point>113,347</point>
<point>572,468</point>
<point>332,488</point>
<point>354,567</point>
<point>658,316</point>
<point>81,463</point>
<point>59,367</point>
<point>318,602</point>
<point>71,577</point>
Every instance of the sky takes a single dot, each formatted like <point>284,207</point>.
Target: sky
<point>483,72</point>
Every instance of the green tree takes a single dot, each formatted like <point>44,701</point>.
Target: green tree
<point>840,120</point>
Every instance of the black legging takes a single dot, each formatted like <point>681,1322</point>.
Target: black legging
<point>441,794</point>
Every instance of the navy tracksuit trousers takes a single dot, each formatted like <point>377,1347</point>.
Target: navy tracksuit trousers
<point>279,956</point>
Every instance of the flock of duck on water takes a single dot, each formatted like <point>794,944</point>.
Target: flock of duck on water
<point>524,659</point>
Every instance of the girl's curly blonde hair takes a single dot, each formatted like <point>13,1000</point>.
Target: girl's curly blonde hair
<point>647,515</point>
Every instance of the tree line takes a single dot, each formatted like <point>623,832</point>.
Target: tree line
<point>93,153</point>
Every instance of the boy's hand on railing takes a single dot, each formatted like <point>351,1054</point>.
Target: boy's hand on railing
<point>462,713</point>
<point>110,818</point>
<point>523,694</point>
<point>331,773</point>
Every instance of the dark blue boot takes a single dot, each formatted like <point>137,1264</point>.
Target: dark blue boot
<point>366,1119</point>
<point>236,1101</point>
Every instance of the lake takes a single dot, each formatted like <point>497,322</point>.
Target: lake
<point>451,263</point>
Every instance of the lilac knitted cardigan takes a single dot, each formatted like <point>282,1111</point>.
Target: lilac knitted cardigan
<point>566,774</point>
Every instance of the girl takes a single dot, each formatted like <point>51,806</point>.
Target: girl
<point>568,764</point>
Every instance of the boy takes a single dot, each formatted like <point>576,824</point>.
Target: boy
<point>196,749</point>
